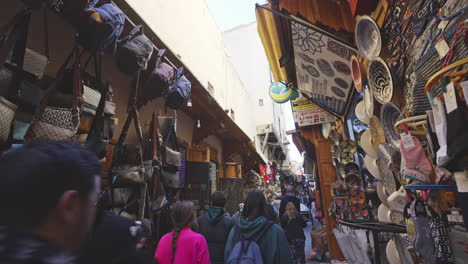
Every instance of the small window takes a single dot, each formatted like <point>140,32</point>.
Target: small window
<point>260,102</point>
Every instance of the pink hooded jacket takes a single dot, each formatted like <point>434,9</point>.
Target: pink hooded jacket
<point>191,249</point>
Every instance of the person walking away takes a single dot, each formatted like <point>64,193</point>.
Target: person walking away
<point>215,226</point>
<point>289,197</point>
<point>293,224</point>
<point>48,193</point>
<point>238,213</point>
<point>182,246</point>
<point>254,236</point>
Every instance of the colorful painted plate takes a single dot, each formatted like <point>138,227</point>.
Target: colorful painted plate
<point>348,146</point>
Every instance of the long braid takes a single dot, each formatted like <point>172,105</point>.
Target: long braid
<point>175,236</point>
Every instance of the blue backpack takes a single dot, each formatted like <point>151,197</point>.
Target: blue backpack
<point>247,251</point>
<point>179,93</point>
<point>100,26</point>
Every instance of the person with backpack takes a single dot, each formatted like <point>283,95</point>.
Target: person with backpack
<point>215,226</point>
<point>255,239</point>
<point>293,225</point>
<point>290,196</point>
<point>182,246</point>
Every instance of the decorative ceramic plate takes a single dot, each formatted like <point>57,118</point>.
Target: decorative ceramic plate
<point>348,146</point>
<point>377,132</point>
<point>389,115</point>
<point>347,157</point>
<point>353,181</point>
<point>368,39</point>
<point>357,196</point>
<point>351,168</point>
<point>380,80</point>
<point>356,73</point>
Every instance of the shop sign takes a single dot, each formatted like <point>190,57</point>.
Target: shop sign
<point>307,113</point>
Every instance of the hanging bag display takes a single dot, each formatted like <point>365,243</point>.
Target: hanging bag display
<point>92,93</point>
<point>171,160</point>
<point>125,174</point>
<point>134,51</point>
<point>100,26</point>
<point>14,36</point>
<point>98,137</point>
<point>159,80</point>
<point>57,123</point>
<point>172,156</point>
<point>179,93</point>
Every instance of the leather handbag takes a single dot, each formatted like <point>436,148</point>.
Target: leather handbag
<point>120,171</point>
<point>98,136</point>
<point>170,178</point>
<point>14,37</point>
<point>7,113</point>
<point>57,123</point>
<point>172,156</point>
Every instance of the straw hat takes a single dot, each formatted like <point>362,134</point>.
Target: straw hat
<point>392,253</point>
<point>383,213</point>
<point>381,193</point>
<point>361,114</point>
<point>377,132</point>
<point>371,165</point>
<point>366,144</point>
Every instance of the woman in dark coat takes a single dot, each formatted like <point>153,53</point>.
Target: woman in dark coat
<point>293,225</point>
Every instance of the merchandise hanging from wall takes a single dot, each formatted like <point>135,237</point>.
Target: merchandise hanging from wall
<point>322,67</point>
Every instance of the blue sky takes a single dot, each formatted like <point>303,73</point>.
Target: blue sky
<point>231,13</point>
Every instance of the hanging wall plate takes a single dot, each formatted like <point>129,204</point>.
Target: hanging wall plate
<point>348,146</point>
<point>389,115</point>
<point>368,38</point>
<point>380,80</point>
<point>347,157</point>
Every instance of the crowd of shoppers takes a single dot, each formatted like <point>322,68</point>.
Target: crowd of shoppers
<point>48,199</point>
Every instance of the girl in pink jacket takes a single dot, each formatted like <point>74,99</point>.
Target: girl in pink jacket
<point>182,245</point>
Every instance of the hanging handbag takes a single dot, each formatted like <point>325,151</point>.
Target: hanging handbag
<point>92,93</point>
<point>172,156</point>
<point>134,51</point>
<point>57,123</point>
<point>100,25</point>
<point>127,174</point>
<point>159,80</point>
<point>179,93</point>
<point>98,140</point>
<point>15,36</point>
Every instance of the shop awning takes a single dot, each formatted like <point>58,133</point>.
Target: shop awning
<point>272,39</point>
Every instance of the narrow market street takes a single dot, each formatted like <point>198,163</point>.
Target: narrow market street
<point>234,132</point>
